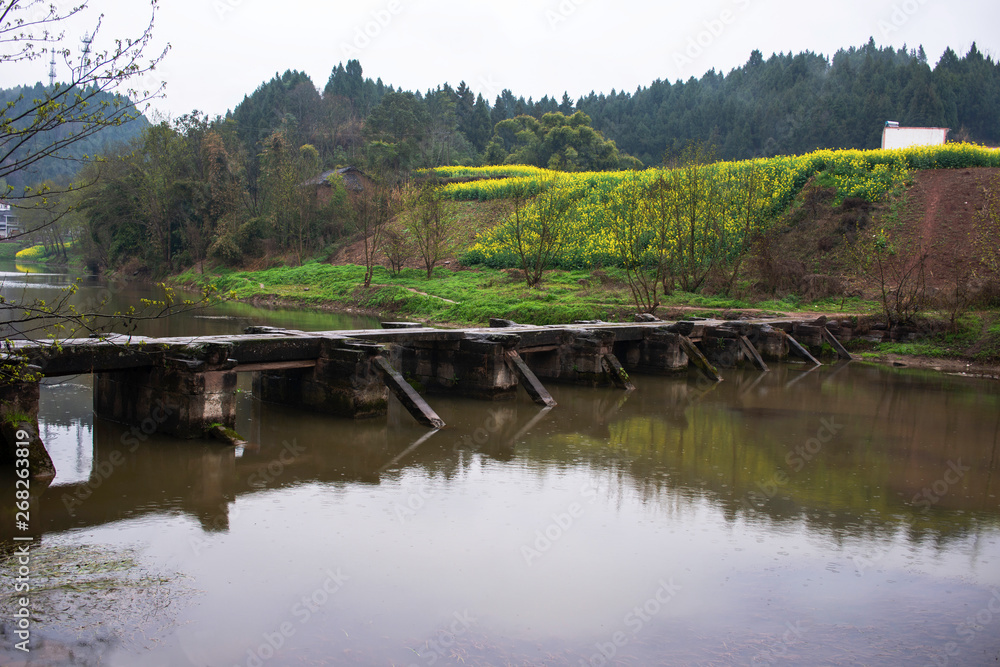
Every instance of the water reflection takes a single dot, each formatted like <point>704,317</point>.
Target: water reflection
<point>95,294</point>
<point>860,441</point>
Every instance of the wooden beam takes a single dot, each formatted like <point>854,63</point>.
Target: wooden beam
<point>832,340</point>
<point>407,395</point>
<point>615,371</point>
<point>699,360</point>
<point>750,351</point>
<point>275,365</point>
<point>537,348</point>
<point>539,394</point>
<point>802,352</point>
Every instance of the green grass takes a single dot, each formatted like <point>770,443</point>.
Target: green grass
<point>477,295</point>
<point>473,296</point>
<point>10,249</point>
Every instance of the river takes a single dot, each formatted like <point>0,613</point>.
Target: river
<point>845,515</point>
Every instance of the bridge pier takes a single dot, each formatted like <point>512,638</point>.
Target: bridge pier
<point>658,353</point>
<point>183,396</point>
<point>345,382</point>
<point>582,357</point>
<point>19,429</point>
<point>770,342</point>
<point>184,386</point>
<point>473,365</point>
<point>738,343</point>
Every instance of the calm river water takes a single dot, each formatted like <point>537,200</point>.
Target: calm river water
<point>847,515</point>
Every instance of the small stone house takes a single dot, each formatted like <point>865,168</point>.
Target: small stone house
<point>354,180</point>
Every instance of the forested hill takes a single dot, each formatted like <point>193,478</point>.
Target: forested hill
<point>793,104</point>
<point>783,104</point>
<point>60,168</point>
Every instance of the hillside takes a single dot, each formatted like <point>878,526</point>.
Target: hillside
<point>935,213</point>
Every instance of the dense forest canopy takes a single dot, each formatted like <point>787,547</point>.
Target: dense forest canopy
<point>793,104</point>
<point>784,104</point>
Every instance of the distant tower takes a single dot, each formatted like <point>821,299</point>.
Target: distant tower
<point>86,40</point>
<point>52,70</point>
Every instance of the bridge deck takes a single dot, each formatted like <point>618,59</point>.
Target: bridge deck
<point>266,346</point>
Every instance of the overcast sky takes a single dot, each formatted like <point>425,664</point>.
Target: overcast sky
<point>222,50</point>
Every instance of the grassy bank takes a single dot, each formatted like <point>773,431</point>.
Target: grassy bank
<point>472,297</point>
<point>449,297</point>
<point>975,339</point>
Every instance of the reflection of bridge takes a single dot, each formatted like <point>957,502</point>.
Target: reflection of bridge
<point>717,440</point>
<point>185,386</point>
<point>202,480</point>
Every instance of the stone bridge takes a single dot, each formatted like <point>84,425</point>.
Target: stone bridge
<point>186,386</point>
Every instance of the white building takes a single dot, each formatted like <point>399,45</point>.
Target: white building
<point>894,136</point>
<point>8,221</point>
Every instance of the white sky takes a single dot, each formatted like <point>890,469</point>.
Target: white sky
<point>222,50</point>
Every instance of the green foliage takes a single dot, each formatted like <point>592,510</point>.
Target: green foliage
<point>9,250</point>
<point>555,141</point>
<point>62,164</point>
<point>396,127</point>
<point>223,194</point>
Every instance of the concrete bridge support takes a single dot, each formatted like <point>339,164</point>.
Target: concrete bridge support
<point>582,357</point>
<point>721,346</point>
<point>474,365</point>
<point>344,382</point>
<point>19,430</point>
<point>770,342</point>
<point>659,352</point>
<point>182,396</point>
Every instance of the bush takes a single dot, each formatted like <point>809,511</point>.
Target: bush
<point>35,253</point>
